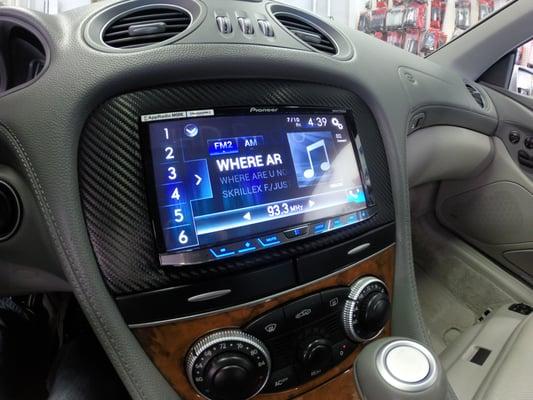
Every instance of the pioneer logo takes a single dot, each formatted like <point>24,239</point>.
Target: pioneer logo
<point>263,110</point>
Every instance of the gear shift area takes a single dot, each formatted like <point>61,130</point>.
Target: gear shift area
<point>399,369</point>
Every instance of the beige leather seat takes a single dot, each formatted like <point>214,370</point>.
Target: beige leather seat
<point>507,371</point>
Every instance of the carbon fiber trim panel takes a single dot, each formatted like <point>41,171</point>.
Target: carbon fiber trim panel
<point>113,191</point>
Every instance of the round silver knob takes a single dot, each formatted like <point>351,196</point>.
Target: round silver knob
<point>228,364</point>
<point>407,366</point>
<point>367,309</point>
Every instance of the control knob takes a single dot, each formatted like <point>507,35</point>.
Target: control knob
<point>316,354</point>
<point>367,309</point>
<point>228,364</point>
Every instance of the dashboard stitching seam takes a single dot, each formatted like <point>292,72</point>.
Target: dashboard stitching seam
<point>410,258</point>
<point>390,146</point>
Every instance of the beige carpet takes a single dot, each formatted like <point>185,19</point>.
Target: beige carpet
<point>453,290</point>
<point>445,316</point>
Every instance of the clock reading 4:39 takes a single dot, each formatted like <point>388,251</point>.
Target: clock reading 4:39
<point>317,122</point>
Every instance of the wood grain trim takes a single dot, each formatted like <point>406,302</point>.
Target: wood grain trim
<point>167,345</point>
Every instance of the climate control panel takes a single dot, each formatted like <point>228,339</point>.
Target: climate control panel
<point>290,345</point>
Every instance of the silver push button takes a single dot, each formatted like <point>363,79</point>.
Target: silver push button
<point>407,366</point>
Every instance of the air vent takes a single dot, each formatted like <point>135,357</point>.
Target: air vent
<point>10,211</point>
<point>146,27</point>
<point>307,33</point>
<point>476,94</point>
<point>23,54</point>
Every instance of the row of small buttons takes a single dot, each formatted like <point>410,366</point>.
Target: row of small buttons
<point>298,313</point>
<point>524,158</point>
<point>287,377</point>
<point>339,222</point>
<point>515,137</point>
<point>245,247</point>
<point>521,308</point>
<point>276,239</point>
<point>327,225</point>
<point>306,314</point>
<point>245,24</point>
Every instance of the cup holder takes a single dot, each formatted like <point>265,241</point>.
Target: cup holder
<point>10,211</point>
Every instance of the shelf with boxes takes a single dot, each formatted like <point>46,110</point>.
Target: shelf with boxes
<point>422,26</point>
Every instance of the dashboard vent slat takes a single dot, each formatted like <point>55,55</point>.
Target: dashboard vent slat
<point>160,14</point>
<point>167,21</point>
<point>476,94</point>
<point>307,33</point>
<point>146,27</point>
<point>137,41</point>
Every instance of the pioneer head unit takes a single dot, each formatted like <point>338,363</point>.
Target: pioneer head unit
<point>232,181</point>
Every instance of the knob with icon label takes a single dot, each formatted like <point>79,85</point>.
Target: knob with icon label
<point>317,354</point>
<point>228,364</point>
<point>367,310</point>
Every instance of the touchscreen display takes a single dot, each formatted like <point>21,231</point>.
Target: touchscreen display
<point>222,178</point>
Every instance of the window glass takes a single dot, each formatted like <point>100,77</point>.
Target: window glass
<point>418,26</point>
<point>522,79</point>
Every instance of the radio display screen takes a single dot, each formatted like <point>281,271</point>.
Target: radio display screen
<point>230,182</point>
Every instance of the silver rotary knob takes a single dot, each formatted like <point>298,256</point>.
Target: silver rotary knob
<point>228,364</point>
<point>367,310</point>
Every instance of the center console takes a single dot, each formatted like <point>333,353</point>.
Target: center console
<point>280,347</point>
<point>246,230</point>
<point>322,328</point>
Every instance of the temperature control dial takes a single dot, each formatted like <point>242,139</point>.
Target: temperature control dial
<point>367,309</point>
<point>317,354</point>
<point>228,364</point>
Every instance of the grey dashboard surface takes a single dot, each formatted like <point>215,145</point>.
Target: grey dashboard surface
<point>449,107</point>
<point>40,126</point>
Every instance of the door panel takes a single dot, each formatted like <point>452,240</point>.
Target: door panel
<point>494,210</point>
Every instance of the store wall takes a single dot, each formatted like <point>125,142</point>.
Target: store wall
<point>65,5</point>
<point>48,6</point>
<point>344,12</point>
<point>307,4</point>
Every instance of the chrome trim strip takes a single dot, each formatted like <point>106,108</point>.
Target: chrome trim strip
<point>209,295</point>
<point>254,302</point>
<point>358,249</point>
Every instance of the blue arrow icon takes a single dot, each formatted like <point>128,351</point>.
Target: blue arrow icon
<point>191,130</point>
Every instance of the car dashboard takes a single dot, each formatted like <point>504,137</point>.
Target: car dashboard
<point>213,175</point>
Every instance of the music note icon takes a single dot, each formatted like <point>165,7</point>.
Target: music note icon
<point>324,166</point>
